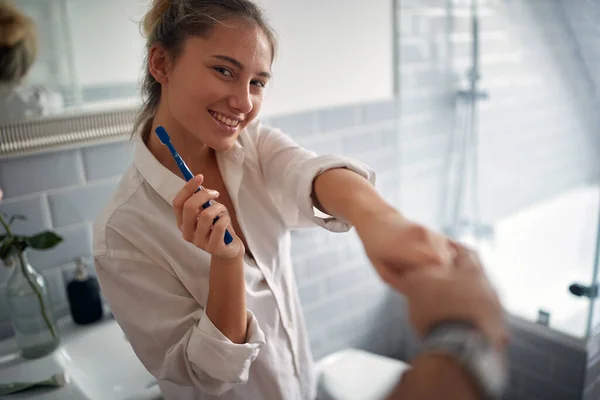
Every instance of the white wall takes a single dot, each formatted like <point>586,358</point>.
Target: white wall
<point>332,52</point>
<point>107,44</point>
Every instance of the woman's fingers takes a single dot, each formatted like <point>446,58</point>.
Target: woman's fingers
<point>184,194</point>
<point>205,225</point>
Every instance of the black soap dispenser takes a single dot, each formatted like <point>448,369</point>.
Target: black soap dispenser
<point>85,300</point>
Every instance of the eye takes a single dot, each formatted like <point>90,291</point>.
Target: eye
<point>260,84</point>
<point>223,71</point>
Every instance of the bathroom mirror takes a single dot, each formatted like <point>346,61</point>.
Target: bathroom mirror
<point>91,54</point>
<point>88,58</point>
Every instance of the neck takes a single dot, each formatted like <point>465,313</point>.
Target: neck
<point>196,154</point>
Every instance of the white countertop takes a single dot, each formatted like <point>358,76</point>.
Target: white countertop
<point>97,361</point>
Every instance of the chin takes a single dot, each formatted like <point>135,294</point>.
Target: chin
<point>223,144</point>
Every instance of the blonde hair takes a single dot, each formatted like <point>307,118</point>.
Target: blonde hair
<point>18,43</point>
<point>170,22</point>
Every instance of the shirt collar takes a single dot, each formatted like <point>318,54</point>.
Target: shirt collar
<point>165,182</point>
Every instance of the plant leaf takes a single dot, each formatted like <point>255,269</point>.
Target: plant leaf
<point>7,246</point>
<point>17,216</point>
<point>44,240</point>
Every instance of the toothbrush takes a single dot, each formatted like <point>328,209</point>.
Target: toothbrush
<point>187,174</point>
<point>56,380</point>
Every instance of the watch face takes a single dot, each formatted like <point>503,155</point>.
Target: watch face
<point>491,370</point>
<point>472,350</point>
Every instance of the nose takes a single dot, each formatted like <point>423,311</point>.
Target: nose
<point>241,99</point>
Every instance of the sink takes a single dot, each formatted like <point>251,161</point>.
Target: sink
<point>97,360</point>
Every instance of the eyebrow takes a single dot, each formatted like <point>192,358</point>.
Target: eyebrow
<point>240,65</point>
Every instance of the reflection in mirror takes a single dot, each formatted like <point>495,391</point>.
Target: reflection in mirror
<point>68,56</point>
<point>21,97</point>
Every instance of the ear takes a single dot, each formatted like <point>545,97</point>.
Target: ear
<point>158,63</point>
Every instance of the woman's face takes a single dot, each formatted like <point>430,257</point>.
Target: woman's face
<point>216,86</point>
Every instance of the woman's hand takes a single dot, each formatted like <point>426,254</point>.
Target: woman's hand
<point>396,246</point>
<point>461,293</point>
<point>196,224</point>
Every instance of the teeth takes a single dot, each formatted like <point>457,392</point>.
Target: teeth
<point>224,119</point>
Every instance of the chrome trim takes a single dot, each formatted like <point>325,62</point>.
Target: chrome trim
<point>65,131</point>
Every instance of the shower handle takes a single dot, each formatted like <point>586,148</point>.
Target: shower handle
<point>580,290</point>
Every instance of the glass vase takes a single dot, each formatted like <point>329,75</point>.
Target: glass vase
<point>30,309</point>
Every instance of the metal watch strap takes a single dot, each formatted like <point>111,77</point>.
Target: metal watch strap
<point>473,352</point>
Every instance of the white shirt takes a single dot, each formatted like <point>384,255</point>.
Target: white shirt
<point>156,283</point>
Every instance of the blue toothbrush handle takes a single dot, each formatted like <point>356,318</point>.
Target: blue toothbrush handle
<point>227,238</point>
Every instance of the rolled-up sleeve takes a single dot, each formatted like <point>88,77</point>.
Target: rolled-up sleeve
<point>289,171</point>
<point>170,332</point>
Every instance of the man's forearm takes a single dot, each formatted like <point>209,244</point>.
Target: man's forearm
<point>345,194</point>
<point>434,377</point>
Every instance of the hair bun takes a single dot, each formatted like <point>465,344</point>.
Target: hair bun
<point>14,25</point>
<point>154,15</point>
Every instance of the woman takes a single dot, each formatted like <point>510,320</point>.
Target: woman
<point>18,52</point>
<point>209,319</point>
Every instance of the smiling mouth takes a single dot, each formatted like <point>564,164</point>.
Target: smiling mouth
<point>231,123</point>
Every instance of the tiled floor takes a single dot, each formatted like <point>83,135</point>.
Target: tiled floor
<point>536,254</point>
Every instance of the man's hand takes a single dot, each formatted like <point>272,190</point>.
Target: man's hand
<point>461,293</point>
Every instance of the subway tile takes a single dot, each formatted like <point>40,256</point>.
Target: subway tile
<point>324,144</point>
<point>311,292</point>
<point>4,273</point>
<point>412,53</point>
<point>302,124</point>
<point>369,140</point>
<point>107,160</point>
<point>592,392</point>
<point>62,312</point>
<point>546,389</point>
<point>339,118</point>
<point>95,93</point>
<point>38,173</point>
<point>35,209</point>
<point>565,353</point>
<point>380,111</point>
<point>511,394</point>
<point>391,138</point>
<point>353,253</point>
<point>300,269</point>
<point>79,204</point>
<point>323,262</point>
<point>56,288</point>
<point>535,359</point>
<point>426,102</point>
<point>592,374</point>
<point>6,330</point>
<point>344,279</point>
<point>3,304</point>
<point>77,243</point>
<point>351,325</point>
<point>306,241</point>
<point>317,314</point>
<point>381,162</point>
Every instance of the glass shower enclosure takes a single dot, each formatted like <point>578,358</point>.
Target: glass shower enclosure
<point>514,138</point>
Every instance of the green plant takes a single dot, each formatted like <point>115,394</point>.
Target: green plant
<point>11,244</point>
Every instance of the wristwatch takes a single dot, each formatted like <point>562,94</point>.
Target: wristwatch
<point>472,350</point>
